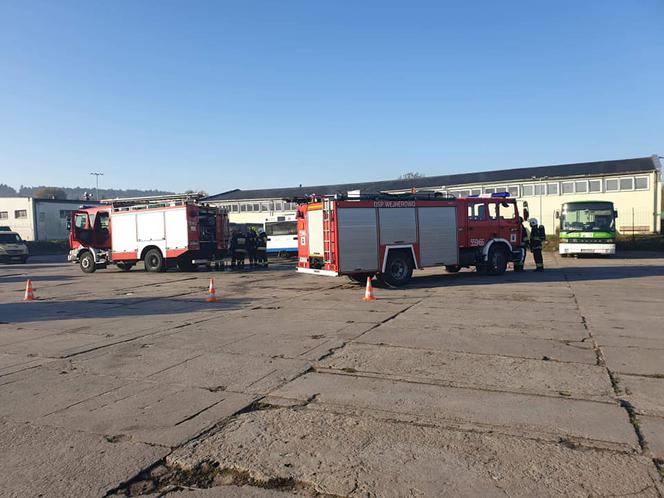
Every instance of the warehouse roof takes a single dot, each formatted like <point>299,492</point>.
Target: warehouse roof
<point>637,165</point>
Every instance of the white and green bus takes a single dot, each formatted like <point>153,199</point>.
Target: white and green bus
<point>587,227</point>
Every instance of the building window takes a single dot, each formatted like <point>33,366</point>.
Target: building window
<point>513,191</point>
<point>581,187</point>
<point>265,206</point>
<point>552,188</point>
<point>567,187</point>
<point>641,183</point>
<point>475,191</point>
<point>243,208</point>
<point>20,214</point>
<point>257,206</point>
<point>4,215</point>
<point>489,190</point>
<point>539,189</point>
<point>611,185</point>
<point>462,193</point>
<point>528,190</point>
<point>594,185</point>
<point>627,184</point>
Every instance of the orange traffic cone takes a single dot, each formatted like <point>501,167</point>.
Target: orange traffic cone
<point>212,292</point>
<point>368,294</point>
<point>29,294</point>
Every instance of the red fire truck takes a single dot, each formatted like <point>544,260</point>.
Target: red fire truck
<point>161,231</point>
<point>390,235</point>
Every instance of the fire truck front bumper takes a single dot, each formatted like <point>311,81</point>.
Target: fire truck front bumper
<point>327,273</point>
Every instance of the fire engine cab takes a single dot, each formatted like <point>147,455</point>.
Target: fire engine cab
<point>160,231</point>
<point>390,235</point>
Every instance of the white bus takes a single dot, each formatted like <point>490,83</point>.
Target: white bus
<point>281,234</point>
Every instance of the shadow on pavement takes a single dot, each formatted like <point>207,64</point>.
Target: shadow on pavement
<point>567,274</point>
<point>152,309</point>
<point>37,278</point>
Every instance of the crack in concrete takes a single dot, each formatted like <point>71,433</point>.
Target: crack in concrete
<point>419,348</point>
<point>625,404</point>
<point>352,372</point>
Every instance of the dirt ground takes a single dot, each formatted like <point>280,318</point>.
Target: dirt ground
<point>527,384</point>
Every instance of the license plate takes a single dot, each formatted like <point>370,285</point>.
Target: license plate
<point>16,258</point>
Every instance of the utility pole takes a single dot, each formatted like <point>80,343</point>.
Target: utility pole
<point>97,175</point>
<point>541,192</point>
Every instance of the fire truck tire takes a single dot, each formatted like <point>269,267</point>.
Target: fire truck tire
<point>398,270</point>
<point>452,268</point>
<point>87,262</point>
<point>497,263</point>
<point>154,261</point>
<point>359,278</point>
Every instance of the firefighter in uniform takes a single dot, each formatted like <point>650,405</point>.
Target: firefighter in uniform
<point>261,248</point>
<point>238,249</point>
<point>537,238</point>
<point>518,266</point>
<point>252,239</point>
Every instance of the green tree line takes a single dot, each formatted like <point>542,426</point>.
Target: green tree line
<point>74,193</point>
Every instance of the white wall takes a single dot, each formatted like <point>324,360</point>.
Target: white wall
<point>24,226</point>
<point>50,225</point>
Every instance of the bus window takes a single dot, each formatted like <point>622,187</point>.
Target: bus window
<point>281,228</point>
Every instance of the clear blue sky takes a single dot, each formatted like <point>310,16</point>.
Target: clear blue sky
<point>219,95</point>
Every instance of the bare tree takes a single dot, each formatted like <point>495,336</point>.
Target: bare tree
<point>411,175</point>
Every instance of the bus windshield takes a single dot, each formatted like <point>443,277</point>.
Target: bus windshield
<point>587,217</point>
<point>281,228</point>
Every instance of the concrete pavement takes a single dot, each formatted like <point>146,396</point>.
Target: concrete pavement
<point>527,384</point>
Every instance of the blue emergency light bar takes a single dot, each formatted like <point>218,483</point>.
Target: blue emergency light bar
<point>500,195</point>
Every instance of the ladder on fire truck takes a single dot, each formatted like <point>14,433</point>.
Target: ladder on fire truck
<point>328,233</point>
<point>154,201</point>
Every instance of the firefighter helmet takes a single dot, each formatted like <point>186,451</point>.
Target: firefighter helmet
<point>533,222</point>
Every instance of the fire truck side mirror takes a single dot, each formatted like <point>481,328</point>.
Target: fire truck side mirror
<point>615,213</point>
<point>68,224</point>
<point>557,214</point>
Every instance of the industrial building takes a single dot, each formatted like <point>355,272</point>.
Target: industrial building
<point>633,185</point>
<point>37,219</point>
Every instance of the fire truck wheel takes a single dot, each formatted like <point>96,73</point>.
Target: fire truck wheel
<point>154,261</point>
<point>452,268</point>
<point>398,270</point>
<point>359,278</point>
<point>497,261</point>
<point>87,262</point>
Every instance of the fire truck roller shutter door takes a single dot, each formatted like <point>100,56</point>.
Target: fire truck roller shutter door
<point>150,226</point>
<point>315,228</point>
<point>397,226</point>
<point>438,236</point>
<point>123,227</point>
<point>358,240</point>
<point>176,229</point>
